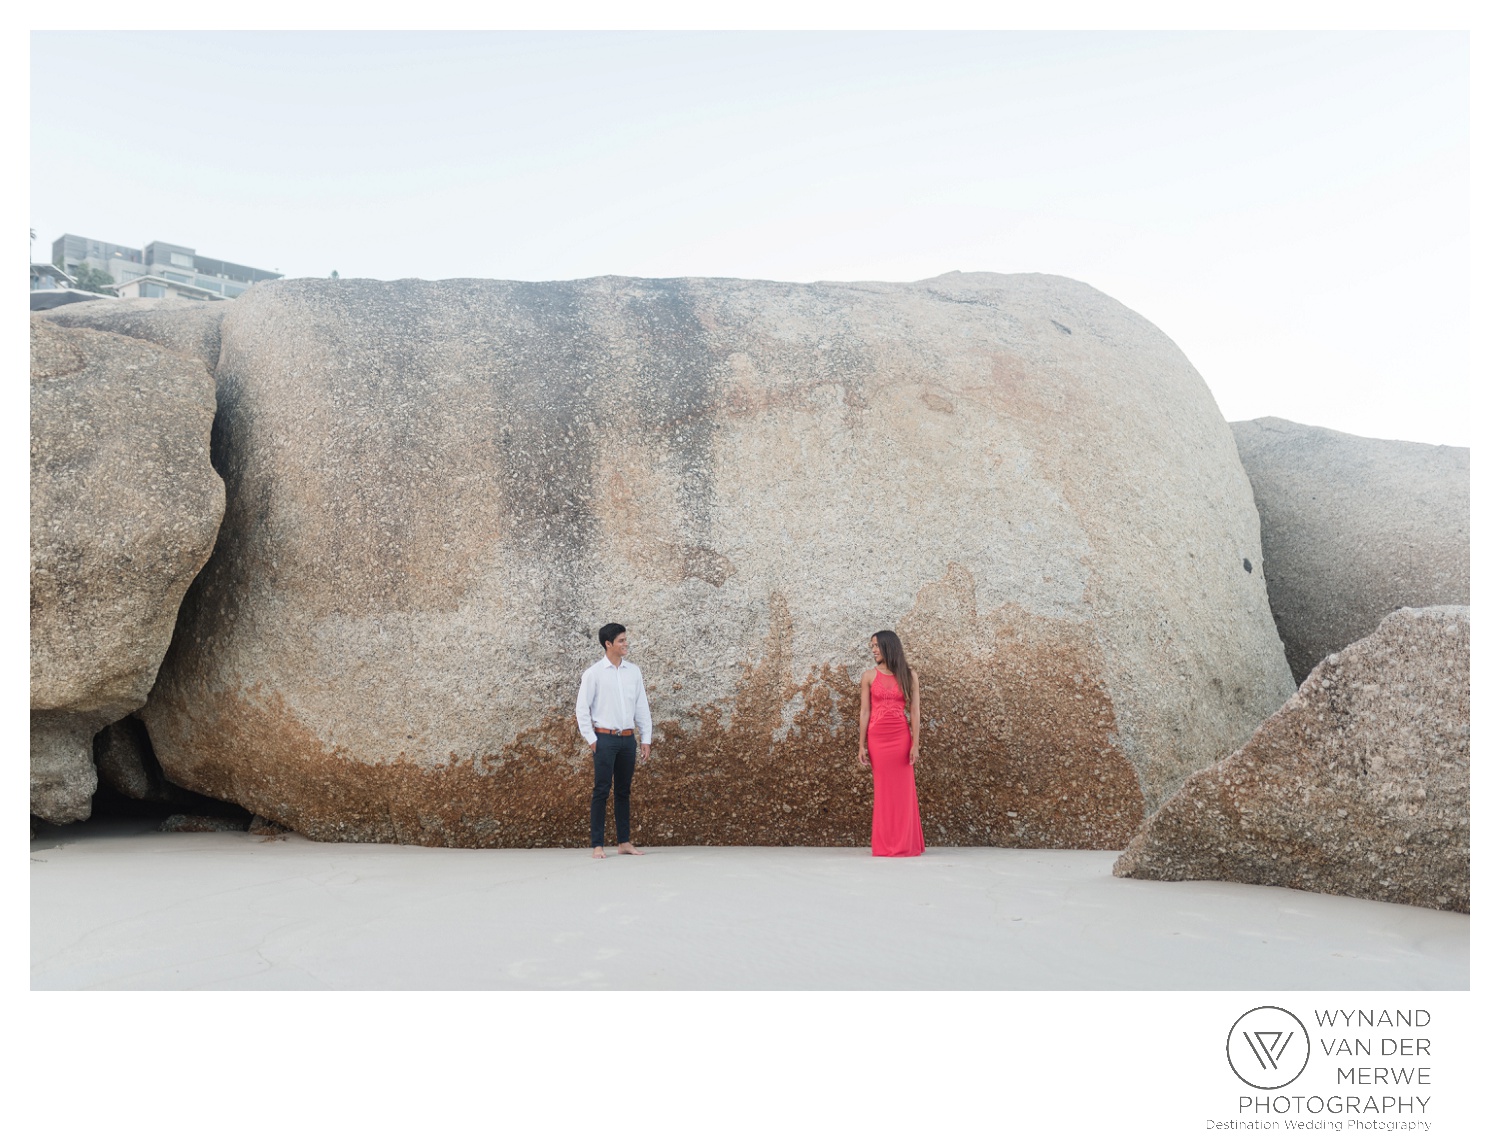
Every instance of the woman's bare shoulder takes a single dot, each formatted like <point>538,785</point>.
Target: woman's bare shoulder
<point>867,677</point>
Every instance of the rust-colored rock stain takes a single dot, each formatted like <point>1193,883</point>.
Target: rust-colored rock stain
<point>741,775</point>
<point>1018,730</point>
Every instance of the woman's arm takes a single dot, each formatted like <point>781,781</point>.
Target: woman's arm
<point>864,716</point>
<point>916,716</point>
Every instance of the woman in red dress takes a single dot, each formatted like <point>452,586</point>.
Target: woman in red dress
<point>890,733</point>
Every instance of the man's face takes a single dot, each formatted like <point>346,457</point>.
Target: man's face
<point>618,648</point>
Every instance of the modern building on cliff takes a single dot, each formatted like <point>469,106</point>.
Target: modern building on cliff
<point>159,270</point>
<point>51,287</point>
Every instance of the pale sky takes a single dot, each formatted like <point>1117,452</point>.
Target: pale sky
<point>1291,208</point>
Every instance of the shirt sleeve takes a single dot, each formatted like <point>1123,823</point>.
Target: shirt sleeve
<point>642,710</point>
<point>585,704</point>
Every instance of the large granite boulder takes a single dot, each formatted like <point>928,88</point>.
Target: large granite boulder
<point>190,328</point>
<point>124,510</point>
<point>1353,529</point>
<point>438,491</point>
<point>1358,786</point>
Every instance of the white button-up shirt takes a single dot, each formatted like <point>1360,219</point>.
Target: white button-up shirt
<point>613,697</point>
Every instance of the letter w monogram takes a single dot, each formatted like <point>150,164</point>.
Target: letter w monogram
<point>1268,1046</point>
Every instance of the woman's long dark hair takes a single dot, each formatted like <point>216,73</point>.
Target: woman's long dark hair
<point>895,660</point>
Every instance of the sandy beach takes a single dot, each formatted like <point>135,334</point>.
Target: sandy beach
<point>115,906</point>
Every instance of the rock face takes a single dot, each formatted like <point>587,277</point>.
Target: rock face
<point>190,328</point>
<point>124,510</point>
<point>439,491</point>
<point>63,778</point>
<point>1358,786</point>
<point>1353,529</point>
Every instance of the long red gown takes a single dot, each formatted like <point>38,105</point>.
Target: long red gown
<point>897,827</point>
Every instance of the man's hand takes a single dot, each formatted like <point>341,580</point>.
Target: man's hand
<point>594,745</point>
<point>645,751</point>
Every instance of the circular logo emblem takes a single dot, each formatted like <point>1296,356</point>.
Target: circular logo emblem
<point>1268,1047</point>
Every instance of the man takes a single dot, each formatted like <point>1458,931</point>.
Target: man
<point>611,709</point>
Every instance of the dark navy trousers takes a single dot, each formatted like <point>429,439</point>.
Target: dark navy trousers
<point>614,760</point>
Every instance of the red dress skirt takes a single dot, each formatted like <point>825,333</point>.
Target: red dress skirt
<point>897,826</point>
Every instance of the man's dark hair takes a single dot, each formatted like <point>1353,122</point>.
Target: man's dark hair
<point>609,632</point>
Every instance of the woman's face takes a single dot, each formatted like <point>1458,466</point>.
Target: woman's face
<point>875,651</point>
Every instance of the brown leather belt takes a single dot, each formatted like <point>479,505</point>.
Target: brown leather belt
<point>614,732</point>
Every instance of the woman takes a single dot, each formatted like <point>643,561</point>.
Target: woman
<point>890,733</point>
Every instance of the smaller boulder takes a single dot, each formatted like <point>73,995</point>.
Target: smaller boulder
<point>1352,530</point>
<point>1358,785</point>
<point>125,508</point>
<point>63,778</point>
<point>122,754</point>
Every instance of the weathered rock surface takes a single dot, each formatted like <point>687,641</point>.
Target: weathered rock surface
<point>124,510</point>
<point>1353,529</point>
<point>63,778</point>
<point>194,822</point>
<point>438,491</point>
<point>1358,786</point>
<point>190,328</point>
<point>260,826</point>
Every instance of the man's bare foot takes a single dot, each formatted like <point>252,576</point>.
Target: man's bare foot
<point>629,849</point>
<point>598,853</point>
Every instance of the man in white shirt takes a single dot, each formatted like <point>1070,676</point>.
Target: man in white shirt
<point>611,710</point>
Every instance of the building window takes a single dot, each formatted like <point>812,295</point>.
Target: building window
<point>151,289</point>
<point>183,259</point>
<point>182,278</point>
